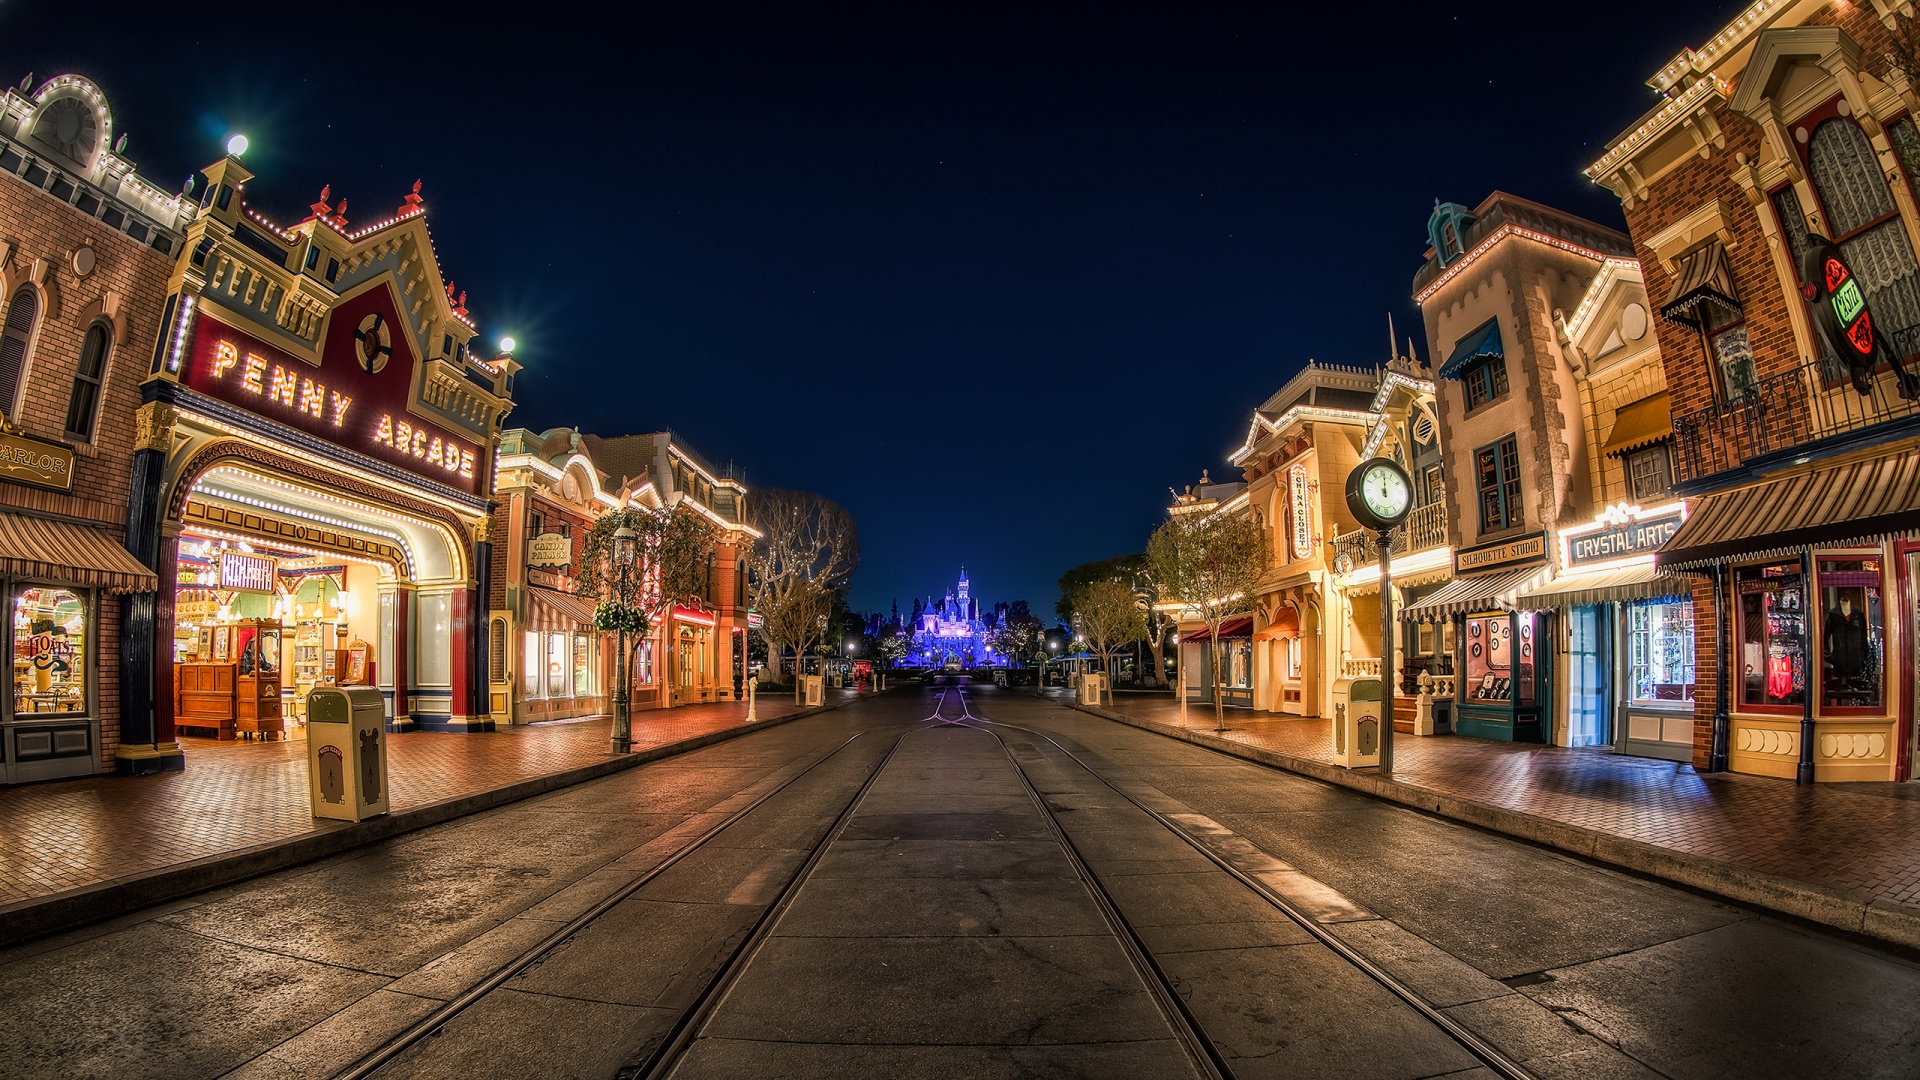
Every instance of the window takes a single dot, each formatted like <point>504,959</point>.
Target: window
<point>313,255</point>
<point>1239,663</point>
<point>1773,651</point>
<point>1793,225</point>
<point>497,650</point>
<point>530,665</point>
<point>1498,471</point>
<point>84,403</point>
<point>15,339</point>
<point>1852,633</point>
<point>49,652</point>
<point>333,269</point>
<point>1489,660</point>
<point>1864,221</point>
<point>1649,473</point>
<point>557,665</point>
<point>1732,352</point>
<point>1660,651</point>
<point>643,663</point>
<point>582,665</point>
<point>1450,240</point>
<point>1435,486</point>
<point>1293,659</point>
<point>1485,380</point>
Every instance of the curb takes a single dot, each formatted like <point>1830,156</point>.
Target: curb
<point>1852,910</point>
<point>25,920</point>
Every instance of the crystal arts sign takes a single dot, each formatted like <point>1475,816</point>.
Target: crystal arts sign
<point>1839,304</point>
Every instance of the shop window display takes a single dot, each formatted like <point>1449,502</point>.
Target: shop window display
<point>1489,659</point>
<point>1852,633</point>
<point>1239,663</point>
<point>530,677</point>
<point>49,652</point>
<point>643,664</point>
<point>1660,657</point>
<point>1773,634</point>
<point>582,666</point>
<point>557,681</point>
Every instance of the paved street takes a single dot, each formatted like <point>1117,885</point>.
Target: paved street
<point>239,795</point>
<point>1089,900</point>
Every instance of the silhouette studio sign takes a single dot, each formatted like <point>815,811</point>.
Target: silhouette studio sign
<point>1839,304</point>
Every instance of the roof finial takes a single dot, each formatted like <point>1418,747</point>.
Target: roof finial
<point>411,202</point>
<point>323,208</point>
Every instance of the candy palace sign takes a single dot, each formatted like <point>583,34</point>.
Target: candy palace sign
<point>337,402</point>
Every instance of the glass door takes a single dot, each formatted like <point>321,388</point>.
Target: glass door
<point>1589,704</point>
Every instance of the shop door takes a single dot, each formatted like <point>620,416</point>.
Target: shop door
<point>1911,663</point>
<point>1589,689</point>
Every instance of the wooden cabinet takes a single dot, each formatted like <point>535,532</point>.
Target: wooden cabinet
<point>204,697</point>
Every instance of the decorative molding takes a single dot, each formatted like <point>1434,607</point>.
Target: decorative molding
<point>1711,220</point>
<point>153,425</point>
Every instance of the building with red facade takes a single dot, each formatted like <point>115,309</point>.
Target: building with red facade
<point>1797,453</point>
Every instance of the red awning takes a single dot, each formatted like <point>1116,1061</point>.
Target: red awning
<point>695,616</point>
<point>1287,625</point>
<point>1239,626</point>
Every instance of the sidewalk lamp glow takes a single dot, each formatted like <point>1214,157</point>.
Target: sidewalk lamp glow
<point>507,344</point>
<point>237,145</point>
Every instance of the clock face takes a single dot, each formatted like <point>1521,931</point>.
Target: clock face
<point>67,124</point>
<point>1385,492</point>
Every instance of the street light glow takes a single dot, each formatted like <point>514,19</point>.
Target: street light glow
<point>507,344</point>
<point>237,145</point>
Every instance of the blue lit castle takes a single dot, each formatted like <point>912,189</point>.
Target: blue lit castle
<point>950,632</point>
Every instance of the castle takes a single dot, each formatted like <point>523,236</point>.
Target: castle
<point>950,631</point>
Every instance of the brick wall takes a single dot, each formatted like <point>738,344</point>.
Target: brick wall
<point>127,286</point>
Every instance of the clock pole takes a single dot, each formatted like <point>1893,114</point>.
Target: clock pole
<point>1386,651</point>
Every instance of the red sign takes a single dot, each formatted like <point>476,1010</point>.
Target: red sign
<point>356,397</point>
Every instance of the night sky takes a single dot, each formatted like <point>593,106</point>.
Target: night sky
<point>994,278</point>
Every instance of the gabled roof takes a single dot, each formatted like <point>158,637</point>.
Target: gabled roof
<point>1502,215</point>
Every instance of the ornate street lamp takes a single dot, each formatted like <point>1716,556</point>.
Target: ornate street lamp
<point>623,548</point>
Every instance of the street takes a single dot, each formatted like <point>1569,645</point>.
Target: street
<point>876,891</point>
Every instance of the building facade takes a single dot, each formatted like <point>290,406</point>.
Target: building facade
<point>86,249</point>
<point>1770,194</point>
<point>315,407</point>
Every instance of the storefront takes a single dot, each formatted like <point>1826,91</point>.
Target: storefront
<point>1235,655</point>
<point>311,478</point>
<point>1505,654</point>
<point>1814,577</point>
<point>62,584</point>
<point>1627,670</point>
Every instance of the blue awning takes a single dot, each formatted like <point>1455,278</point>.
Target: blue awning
<point>1483,341</point>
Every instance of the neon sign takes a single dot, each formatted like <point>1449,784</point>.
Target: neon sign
<point>288,389</point>
<point>1840,309</point>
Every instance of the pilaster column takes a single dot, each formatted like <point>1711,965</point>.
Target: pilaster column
<point>146,619</point>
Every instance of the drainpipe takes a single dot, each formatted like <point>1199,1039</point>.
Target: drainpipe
<point>1804,773</point>
<point>1717,745</point>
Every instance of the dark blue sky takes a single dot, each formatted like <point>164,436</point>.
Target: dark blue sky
<point>993,277</point>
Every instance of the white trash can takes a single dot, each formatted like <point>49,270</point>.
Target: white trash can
<point>347,752</point>
<point>1356,723</point>
<point>815,687</point>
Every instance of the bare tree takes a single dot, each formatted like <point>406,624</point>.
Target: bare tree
<point>798,618</point>
<point>1108,615</point>
<point>808,544</point>
<point>1210,565</point>
<point>1158,624</point>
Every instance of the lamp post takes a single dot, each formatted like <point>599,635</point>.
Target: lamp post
<point>623,544</point>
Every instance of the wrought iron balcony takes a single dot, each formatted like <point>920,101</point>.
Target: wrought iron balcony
<point>1425,527</point>
<point>1811,409</point>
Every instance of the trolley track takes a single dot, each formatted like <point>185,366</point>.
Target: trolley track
<point>373,1062</point>
<point>1488,1055</point>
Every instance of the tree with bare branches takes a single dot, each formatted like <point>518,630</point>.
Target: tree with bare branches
<point>1107,614</point>
<point>807,552</point>
<point>1211,566</point>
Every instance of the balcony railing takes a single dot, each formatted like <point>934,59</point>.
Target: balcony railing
<point>1425,527</point>
<point>1785,412</point>
<point>1360,667</point>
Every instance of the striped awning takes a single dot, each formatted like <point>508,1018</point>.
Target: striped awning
<point>1645,421</point>
<point>1701,277</point>
<point>1286,624</point>
<point>1487,592</point>
<point>1641,582</point>
<point>554,610</point>
<point>1850,503</point>
<point>63,551</point>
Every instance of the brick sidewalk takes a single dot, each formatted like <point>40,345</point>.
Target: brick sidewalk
<point>1855,849</point>
<point>65,835</point>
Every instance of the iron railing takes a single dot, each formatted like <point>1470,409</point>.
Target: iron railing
<point>1793,410</point>
<point>1425,527</point>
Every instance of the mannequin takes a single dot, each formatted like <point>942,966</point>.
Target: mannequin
<point>1847,653</point>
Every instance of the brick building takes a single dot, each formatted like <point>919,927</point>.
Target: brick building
<point>86,247</point>
<point>1791,127</point>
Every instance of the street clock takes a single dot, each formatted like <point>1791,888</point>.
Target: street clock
<point>1379,493</point>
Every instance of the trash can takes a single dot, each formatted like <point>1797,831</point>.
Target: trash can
<point>1356,722</point>
<point>1093,689</point>
<point>816,689</point>
<point>347,752</point>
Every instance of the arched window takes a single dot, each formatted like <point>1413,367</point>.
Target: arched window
<point>17,335</point>
<point>84,403</point>
<point>1865,223</point>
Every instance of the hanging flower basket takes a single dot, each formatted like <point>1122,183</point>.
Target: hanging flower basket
<point>611,616</point>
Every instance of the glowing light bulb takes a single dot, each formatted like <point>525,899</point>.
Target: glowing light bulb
<point>237,145</point>
<point>507,344</point>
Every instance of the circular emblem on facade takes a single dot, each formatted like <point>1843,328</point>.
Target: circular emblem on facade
<point>373,343</point>
<point>1633,322</point>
